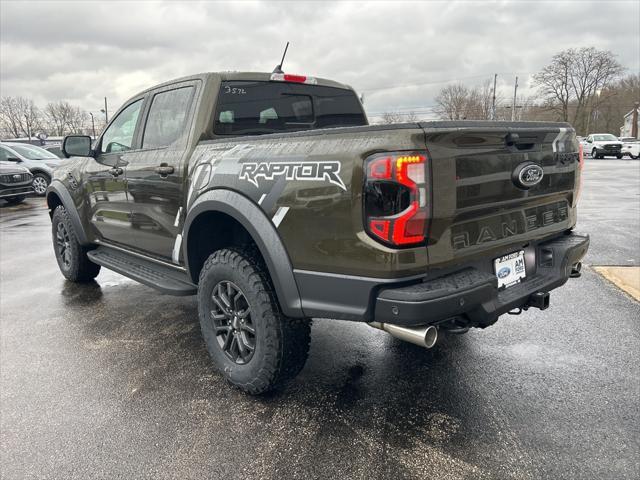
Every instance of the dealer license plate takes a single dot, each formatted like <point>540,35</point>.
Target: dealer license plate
<point>510,269</point>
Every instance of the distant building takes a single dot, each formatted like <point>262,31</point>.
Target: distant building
<point>627,128</point>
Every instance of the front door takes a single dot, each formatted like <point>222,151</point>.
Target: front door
<point>155,174</point>
<point>105,177</point>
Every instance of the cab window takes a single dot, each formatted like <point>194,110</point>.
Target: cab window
<point>167,117</point>
<point>119,136</point>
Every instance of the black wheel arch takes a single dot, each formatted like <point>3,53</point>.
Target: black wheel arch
<point>262,232</point>
<point>57,194</point>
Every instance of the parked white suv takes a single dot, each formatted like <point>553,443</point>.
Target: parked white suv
<point>601,145</point>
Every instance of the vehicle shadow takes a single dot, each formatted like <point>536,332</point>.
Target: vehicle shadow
<point>397,404</point>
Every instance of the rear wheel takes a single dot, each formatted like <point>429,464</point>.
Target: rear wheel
<point>619,156</point>
<point>250,341</point>
<point>71,256</point>
<point>40,183</point>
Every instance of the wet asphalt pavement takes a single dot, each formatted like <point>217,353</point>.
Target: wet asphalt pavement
<point>112,380</point>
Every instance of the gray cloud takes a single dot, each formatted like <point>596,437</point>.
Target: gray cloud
<point>83,51</point>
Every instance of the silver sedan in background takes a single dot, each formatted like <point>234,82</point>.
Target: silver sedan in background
<point>39,161</point>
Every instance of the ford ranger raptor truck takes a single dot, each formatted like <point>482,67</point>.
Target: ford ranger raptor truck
<point>271,198</point>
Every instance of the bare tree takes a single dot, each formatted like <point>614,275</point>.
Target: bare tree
<point>573,80</point>
<point>483,96</point>
<point>391,117</point>
<point>10,117</point>
<point>19,116</point>
<point>399,117</point>
<point>77,120</point>
<point>452,102</point>
<point>63,118</point>
<point>458,102</point>
<point>55,118</point>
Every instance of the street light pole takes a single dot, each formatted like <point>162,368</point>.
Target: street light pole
<point>493,100</point>
<point>515,92</point>
<point>93,125</point>
<point>106,115</point>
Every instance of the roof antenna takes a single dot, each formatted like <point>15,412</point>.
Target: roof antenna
<point>278,68</point>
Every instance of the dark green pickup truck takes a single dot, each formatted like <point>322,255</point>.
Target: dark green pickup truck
<point>271,198</point>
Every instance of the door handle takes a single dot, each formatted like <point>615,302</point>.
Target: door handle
<point>164,170</point>
<point>116,171</point>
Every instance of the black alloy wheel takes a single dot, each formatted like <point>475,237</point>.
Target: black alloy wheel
<point>63,245</point>
<point>231,317</point>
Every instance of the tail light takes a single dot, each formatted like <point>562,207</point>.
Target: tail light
<point>396,208</point>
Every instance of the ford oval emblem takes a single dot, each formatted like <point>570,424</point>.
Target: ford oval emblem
<point>504,272</point>
<point>527,175</point>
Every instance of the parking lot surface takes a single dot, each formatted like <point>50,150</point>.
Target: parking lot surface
<point>112,380</point>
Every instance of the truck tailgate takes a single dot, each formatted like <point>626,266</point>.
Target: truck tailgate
<point>479,205</point>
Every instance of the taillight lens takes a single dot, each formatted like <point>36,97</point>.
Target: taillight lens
<point>395,198</point>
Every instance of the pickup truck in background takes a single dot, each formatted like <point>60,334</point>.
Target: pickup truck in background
<point>271,198</point>
<point>601,145</point>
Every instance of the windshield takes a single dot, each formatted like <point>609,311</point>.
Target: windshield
<point>31,152</point>
<point>604,138</point>
<point>254,107</point>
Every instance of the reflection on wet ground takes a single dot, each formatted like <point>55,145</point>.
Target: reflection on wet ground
<point>110,379</point>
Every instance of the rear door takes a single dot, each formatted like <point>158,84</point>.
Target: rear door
<point>156,173</point>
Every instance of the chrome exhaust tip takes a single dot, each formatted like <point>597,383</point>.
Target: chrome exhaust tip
<point>422,336</point>
<point>576,270</point>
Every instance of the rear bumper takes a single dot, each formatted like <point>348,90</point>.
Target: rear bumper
<point>473,294</point>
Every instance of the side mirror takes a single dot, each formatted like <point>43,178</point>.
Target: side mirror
<point>13,159</point>
<point>589,140</point>
<point>77,146</point>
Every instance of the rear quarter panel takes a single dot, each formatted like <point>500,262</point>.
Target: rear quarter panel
<point>319,220</point>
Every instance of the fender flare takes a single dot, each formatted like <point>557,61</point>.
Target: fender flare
<point>263,232</point>
<point>57,187</point>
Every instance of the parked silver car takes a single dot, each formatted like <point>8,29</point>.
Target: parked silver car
<point>15,183</point>
<point>40,162</point>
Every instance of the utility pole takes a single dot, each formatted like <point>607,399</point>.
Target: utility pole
<point>493,102</point>
<point>513,110</point>
<point>93,126</point>
<point>104,110</point>
<point>634,120</point>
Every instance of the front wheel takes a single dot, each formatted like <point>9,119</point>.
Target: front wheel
<point>619,156</point>
<point>249,340</point>
<point>71,256</point>
<point>40,183</point>
<point>594,153</point>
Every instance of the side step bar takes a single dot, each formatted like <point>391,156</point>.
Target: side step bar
<point>165,279</point>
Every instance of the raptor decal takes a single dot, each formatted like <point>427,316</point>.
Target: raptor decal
<point>303,170</point>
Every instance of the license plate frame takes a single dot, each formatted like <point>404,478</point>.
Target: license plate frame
<point>510,269</point>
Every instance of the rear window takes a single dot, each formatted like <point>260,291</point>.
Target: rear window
<point>249,107</point>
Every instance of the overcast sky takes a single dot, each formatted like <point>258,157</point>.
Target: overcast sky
<point>399,54</point>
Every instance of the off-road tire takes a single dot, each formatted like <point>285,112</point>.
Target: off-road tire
<point>15,200</point>
<point>78,268</point>
<point>281,343</point>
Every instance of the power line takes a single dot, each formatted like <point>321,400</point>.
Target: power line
<point>436,82</point>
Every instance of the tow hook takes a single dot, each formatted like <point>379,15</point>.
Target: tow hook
<point>576,270</point>
<point>539,300</point>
